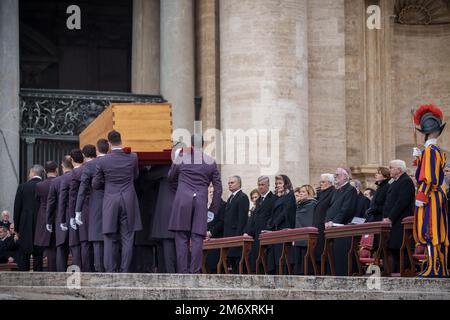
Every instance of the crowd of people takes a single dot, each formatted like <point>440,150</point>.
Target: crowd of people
<point>108,215</point>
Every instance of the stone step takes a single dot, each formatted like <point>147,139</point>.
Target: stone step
<point>164,286</point>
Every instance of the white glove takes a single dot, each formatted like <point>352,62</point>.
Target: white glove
<point>78,218</point>
<point>63,227</point>
<point>73,225</point>
<point>419,203</point>
<point>416,152</point>
<point>177,153</point>
<point>49,228</point>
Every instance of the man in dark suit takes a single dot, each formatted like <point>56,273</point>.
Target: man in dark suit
<point>74,235</point>
<point>236,218</point>
<point>341,211</point>
<point>215,230</point>
<point>56,218</point>
<point>260,217</point>
<point>25,216</point>
<point>192,172</point>
<point>115,173</point>
<point>399,204</point>
<point>43,238</point>
<point>165,239</point>
<point>88,208</point>
<point>324,196</point>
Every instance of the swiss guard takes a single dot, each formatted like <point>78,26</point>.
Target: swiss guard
<point>431,216</point>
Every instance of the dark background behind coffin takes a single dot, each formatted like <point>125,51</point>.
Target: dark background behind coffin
<point>97,57</point>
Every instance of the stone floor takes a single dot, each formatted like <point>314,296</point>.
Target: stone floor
<point>55,286</point>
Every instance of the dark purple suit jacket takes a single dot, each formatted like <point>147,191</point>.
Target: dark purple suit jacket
<point>74,237</point>
<point>192,179</point>
<point>116,172</point>
<point>54,216</point>
<point>90,202</point>
<point>63,201</point>
<point>164,202</point>
<point>42,237</point>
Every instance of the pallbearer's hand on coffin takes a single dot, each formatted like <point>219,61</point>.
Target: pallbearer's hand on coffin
<point>73,225</point>
<point>78,218</point>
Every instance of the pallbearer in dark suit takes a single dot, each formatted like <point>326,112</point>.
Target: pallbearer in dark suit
<point>115,173</point>
<point>235,218</point>
<point>56,218</point>
<point>26,208</point>
<point>167,259</point>
<point>341,211</point>
<point>72,191</point>
<point>192,172</point>
<point>260,217</point>
<point>63,208</point>
<point>74,235</point>
<point>42,236</point>
<point>88,209</point>
<point>82,207</point>
<point>399,204</point>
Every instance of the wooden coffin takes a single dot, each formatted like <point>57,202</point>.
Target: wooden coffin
<point>145,128</point>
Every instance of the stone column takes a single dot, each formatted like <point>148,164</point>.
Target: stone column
<point>9,102</point>
<point>177,60</point>
<point>207,61</point>
<point>326,69</point>
<point>145,63</point>
<point>264,85</point>
<point>378,136</point>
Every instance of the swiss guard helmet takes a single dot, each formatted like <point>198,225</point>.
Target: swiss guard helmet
<point>429,118</point>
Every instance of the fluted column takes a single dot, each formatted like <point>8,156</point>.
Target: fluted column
<point>264,85</point>
<point>9,102</point>
<point>177,60</point>
<point>145,76</point>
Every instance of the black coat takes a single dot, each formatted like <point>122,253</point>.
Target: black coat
<point>304,217</point>
<point>375,211</point>
<point>258,221</point>
<point>7,248</point>
<point>260,217</point>
<point>164,201</point>
<point>146,187</point>
<point>236,215</point>
<point>26,208</point>
<point>216,226</point>
<point>235,219</point>
<point>283,214</point>
<point>362,204</point>
<point>320,211</point>
<point>399,204</point>
<point>42,237</point>
<point>343,204</point>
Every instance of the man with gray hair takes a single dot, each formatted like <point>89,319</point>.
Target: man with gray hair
<point>5,219</point>
<point>399,204</point>
<point>25,213</point>
<point>324,196</point>
<point>235,218</point>
<point>260,216</point>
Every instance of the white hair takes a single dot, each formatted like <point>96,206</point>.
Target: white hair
<point>398,164</point>
<point>328,177</point>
